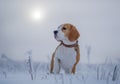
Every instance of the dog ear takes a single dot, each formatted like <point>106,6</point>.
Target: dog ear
<point>73,34</point>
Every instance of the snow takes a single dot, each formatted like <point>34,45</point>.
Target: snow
<point>53,79</point>
<point>14,72</point>
<point>86,74</point>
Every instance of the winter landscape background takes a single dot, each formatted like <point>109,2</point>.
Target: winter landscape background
<point>27,42</point>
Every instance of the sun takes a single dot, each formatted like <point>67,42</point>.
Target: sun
<point>36,14</point>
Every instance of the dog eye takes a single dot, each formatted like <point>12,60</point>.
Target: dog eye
<point>64,28</point>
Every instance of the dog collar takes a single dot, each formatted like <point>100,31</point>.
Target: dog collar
<point>70,46</point>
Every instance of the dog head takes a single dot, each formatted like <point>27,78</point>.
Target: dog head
<point>66,32</point>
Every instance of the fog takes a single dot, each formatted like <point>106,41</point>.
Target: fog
<point>98,22</point>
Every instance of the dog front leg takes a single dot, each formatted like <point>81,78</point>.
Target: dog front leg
<point>52,63</point>
<point>56,68</point>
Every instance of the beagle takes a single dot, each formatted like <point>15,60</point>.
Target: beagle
<point>67,54</point>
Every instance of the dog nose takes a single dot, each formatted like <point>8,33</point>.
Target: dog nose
<point>55,32</point>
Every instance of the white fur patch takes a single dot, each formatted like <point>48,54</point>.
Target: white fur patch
<point>67,57</point>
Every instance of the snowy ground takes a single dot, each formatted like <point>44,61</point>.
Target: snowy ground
<point>13,72</point>
<point>53,79</point>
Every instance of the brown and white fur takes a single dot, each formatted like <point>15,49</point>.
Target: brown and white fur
<point>67,54</point>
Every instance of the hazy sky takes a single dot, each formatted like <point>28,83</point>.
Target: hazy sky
<point>98,22</point>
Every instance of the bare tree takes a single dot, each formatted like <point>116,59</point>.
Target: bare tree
<point>115,73</point>
<point>30,64</point>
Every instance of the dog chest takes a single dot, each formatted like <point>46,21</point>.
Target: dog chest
<point>66,55</point>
